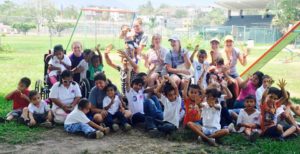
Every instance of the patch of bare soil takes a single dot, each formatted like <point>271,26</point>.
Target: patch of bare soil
<point>136,141</point>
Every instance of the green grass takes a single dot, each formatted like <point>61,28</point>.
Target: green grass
<point>26,59</point>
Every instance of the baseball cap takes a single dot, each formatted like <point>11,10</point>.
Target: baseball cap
<point>174,38</point>
<point>214,39</point>
<point>229,37</point>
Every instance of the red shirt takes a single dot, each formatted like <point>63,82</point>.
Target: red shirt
<point>267,118</point>
<point>18,101</point>
<point>192,112</point>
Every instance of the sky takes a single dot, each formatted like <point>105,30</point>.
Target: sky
<point>126,4</point>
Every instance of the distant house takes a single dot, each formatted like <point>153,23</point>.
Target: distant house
<point>5,29</point>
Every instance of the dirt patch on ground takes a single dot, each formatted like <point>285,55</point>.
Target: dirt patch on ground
<point>135,141</point>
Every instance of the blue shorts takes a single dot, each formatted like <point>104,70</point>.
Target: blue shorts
<point>209,131</point>
<point>198,122</point>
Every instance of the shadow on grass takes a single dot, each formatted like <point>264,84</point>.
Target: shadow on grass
<point>12,132</point>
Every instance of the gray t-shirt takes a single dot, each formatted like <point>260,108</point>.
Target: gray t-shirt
<point>96,97</point>
<point>234,57</point>
<point>174,58</point>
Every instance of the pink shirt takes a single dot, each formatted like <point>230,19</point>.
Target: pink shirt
<point>249,90</point>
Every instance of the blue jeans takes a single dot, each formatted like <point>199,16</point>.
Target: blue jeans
<point>79,127</point>
<point>153,111</point>
<point>166,127</point>
<point>119,115</point>
<point>137,118</point>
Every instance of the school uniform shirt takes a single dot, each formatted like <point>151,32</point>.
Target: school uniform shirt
<point>18,102</point>
<point>198,70</point>
<point>85,65</point>
<point>258,94</point>
<point>65,95</point>
<point>54,61</point>
<point>244,117</point>
<point>114,107</point>
<point>171,110</point>
<point>192,112</point>
<point>135,101</point>
<point>76,116</point>
<point>41,108</point>
<point>211,117</point>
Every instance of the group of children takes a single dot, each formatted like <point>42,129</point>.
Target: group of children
<point>212,105</point>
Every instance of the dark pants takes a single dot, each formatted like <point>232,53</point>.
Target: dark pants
<point>226,118</point>
<point>119,115</point>
<point>137,118</point>
<point>166,127</point>
<point>153,111</point>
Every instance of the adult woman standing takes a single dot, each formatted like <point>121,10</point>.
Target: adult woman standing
<point>233,54</point>
<point>155,57</point>
<point>75,58</point>
<point>139,38</point>
<point>215,53</point>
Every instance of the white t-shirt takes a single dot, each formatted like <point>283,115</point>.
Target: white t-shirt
<point>65,95</point>
<point>211,117</point>
<point>114,107</point>
<point>76,116</point>
<point>258,94</point>
<point>250,119</point>
<point>85,66</point>
<point>198,69</point>
<point>171,110</point>
<point>43,108</point>
<point>135,101</point>
<point>54,61</point>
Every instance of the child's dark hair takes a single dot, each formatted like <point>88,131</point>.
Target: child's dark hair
<point>137,81</point>
<point>32,93</point>
<point>208,76</point>
<point>141,75</point>
<point>97,57</point>
<point>100,76</point>
<point>220,61</point>
<point>83,103</point>
<point>26,81</point>
<point>57,48</point>
<point>252,97</point>
<point>167,88</point>
<point>266,76</point>
<point>65,74</point>
<point>259,75</point>
<point>194,86</point>
<point>87,52</point>
<point>110,85</point>
<point>202,52</point>
<point>275,91</point>
<point>213,92</point>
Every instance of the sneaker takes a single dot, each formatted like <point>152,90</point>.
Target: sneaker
<point>106,130</point>
<point>200,140</point>
<point>281,138</point>
<point>253,136</point>
<point>212,142</point>
<point>99,134</point>
<point>231,128</point>
<point>47,124</point>
<point>127,127</point>
<point>115,127</point>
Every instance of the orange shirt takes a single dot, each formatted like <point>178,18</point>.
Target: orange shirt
<point>192,112</point>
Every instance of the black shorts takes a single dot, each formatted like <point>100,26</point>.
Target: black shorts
<point>273,132</point>
<point>40,118</point>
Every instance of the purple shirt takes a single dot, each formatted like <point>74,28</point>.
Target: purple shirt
<point>75,61</point>
<point>249,90</point>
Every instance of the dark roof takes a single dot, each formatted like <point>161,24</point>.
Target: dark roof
<point>250,21</point>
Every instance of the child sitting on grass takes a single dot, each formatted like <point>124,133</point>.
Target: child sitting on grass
<point>211,111</point>
<point>83,65</point>
<point>171,101</point>
<point>271,101</point>
<point>58,63</point>
<point>248,119</point>
<point>38,112</point>
<point>115,107</point>
<point>20,98</point>
<point>77,122</point>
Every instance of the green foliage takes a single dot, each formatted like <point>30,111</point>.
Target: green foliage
<point>70,12</point>
<point>59,27</point>
<point>212,18</point>
<point>286,12</point>
<point>180,13</point>
<point>146,9</point>
<point>23,27</point>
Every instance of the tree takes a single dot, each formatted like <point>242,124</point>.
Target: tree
<point>286,12</point>
<point>152,23</point>
<point>70,12</point>
<point>215,17</point>
<point>181,13</point>
<point>146,9</point>
<point>59,27</point>
<point>23,27</point>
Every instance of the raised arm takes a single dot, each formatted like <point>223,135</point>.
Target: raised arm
<point>107,58</point>
<point>193,54</point>
<point>281,84</point>
<point>228,94</point>
<point>131,62</point>
<point>185,89</point>
<point>157,90</point>
<point>127,80</point>
<point>243,57</point>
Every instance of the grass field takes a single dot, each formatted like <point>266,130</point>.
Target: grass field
<point>26,59</point>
